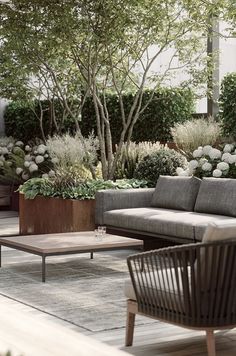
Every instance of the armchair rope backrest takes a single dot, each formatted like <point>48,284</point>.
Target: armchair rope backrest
<point>194,285</point>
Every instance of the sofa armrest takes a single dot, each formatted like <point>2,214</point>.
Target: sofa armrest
<point>112,199</point>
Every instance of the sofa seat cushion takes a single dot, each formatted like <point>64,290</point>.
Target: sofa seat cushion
<point>139,218</point>
<point>176,193</point>
<point>164,286</point>
<point>176,223</point>
<point>217,196</point>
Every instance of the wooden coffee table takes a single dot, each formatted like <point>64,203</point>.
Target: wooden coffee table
<point>66,244</point>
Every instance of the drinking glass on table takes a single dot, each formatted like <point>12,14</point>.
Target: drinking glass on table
<point>101,230</point>
<point>98,234</point>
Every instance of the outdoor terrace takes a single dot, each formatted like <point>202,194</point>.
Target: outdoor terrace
<point>81,297</point>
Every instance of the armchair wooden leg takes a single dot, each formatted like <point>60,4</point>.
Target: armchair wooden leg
<point>130,321</point>
<point>211,348</point>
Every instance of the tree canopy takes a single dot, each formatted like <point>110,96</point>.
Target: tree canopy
<point>76,49</point>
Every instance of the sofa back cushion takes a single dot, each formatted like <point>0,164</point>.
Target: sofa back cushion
<point>177,193</point>
<point>217,196</point>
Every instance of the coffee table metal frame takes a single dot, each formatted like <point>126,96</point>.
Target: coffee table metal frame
<point>4,242</point>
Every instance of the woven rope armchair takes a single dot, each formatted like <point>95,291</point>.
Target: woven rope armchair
<point>193,286</point>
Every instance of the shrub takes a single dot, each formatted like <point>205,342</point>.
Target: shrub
<point>69,155</point>
<point>132,154</point>
<point>22,124</point>
<point>18,162</point>
<point>227,103</point>
<point>169,105</point>
<point>211,162</point>
<point>162,162</point>
<point>194,133</point>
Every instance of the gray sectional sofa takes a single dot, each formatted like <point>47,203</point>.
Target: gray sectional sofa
<point>178,210</point>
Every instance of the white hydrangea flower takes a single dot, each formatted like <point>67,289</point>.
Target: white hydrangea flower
<point>232,159</point>
<point>206,149</point>
<point>198,153</point>
<point>226,157</point>
<point>217,173</point>
<point>42,149</point>
<point>45,175</point>
<point>207,167</point>
<point>25,176</point>
<point>19,143</point>
<point>222,166</point>
<point>4,151</point>
<point>10,145</point>
<point>51,173</point>
<point>46,155</point>
<point>56,160</point>
<point>228,148</point>
<point>28,157</point>
<point>39,159</point>
<point>202,161</point>
<point>2,158</point>
<point>27,148</point>
<point>179,170</point>
<point>215,153</point>
<point>19,170</point>
<point>185,173</point>
<point>193,164</point>
<point>27,164</point>
<point>33,168</point>
<point>1,164</point>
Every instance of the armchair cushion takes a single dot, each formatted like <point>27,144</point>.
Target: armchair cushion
<point>217,196</point>
<point>178,193</point>
<point>220,230</point>
<point>165,285</point>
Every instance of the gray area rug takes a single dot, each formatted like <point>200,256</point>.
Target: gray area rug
<point>88,293</point>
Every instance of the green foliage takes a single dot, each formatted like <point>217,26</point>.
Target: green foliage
<point>77,189</point>
<point>22,123</point>
<point>162,162</point>
<point>227,102</point>
<point>169,106</point>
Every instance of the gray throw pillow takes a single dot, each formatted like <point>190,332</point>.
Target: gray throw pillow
<point>217,196</point>
<point>177,193</point>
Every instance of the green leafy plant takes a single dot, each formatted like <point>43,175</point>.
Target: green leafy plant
<point>190,135</point>
<point>227,103</point>
<point>74,188</point>
<point>162,162</point>
<point>132,154</point>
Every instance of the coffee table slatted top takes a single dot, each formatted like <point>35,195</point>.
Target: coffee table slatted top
<point>68,242</point>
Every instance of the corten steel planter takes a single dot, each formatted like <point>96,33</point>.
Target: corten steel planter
<point>55,215</point>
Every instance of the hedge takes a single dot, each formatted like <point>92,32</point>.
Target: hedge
<point>227,102</point>
<point>169,106</point>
